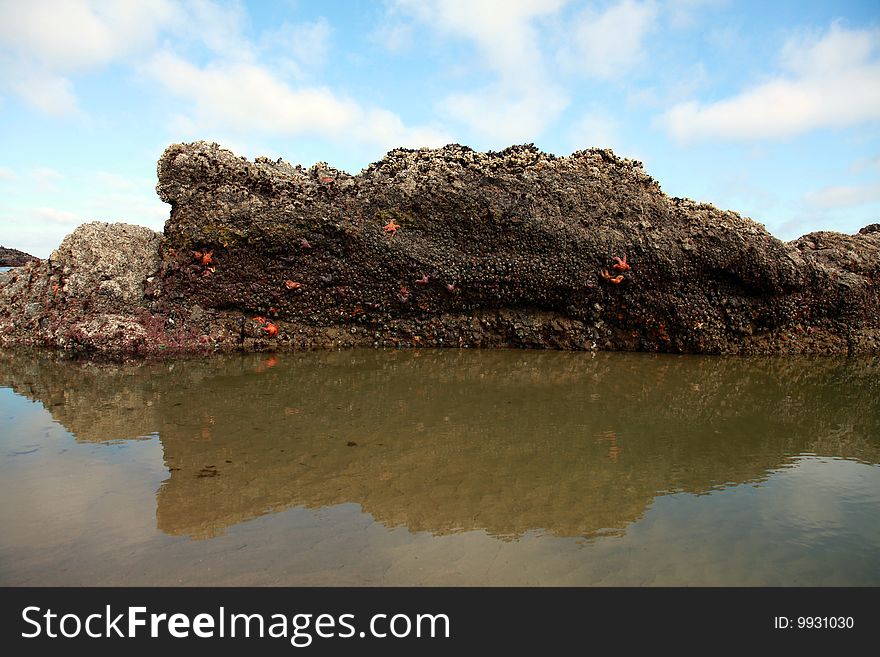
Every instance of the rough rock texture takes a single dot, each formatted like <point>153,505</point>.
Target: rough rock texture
<point>491,249</point>
<point>109,264</point>
<point>14,257</point>
<point>89,295</point>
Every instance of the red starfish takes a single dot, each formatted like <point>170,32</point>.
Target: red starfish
<point>204,257</point>
<point>271,329</point>
<point>617,280</point>
<point>621,264</point>
<point>391,227</point>
<point>423,280</point>
<point>292,285</point>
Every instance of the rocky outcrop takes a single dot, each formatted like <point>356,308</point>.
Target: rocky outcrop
<point>89,295</point>
<point>14,257</point>
<point>445,247</point>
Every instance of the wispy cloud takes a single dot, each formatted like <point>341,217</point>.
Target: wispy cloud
<point>393,34</point>
<point>45,179</point>
<point>301,47</point>
<point>66,35</point>
<point>43,41</point>
<point>687,13</point>
<point>827,82</point>
<point>502,116</point>
<point>50,94</point>
<point>595,129</point>
<point>249,98</point>
<point>55,216</point>
<point>843,196</point>
<point>611,42</point>
<point>523,99</point>
<point>502,30</point>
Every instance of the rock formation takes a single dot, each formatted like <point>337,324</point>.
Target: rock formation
<point>14,257</point>
<point>446,247</point>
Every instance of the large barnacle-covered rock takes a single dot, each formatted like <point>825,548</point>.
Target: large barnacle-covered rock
<point>452,247</point>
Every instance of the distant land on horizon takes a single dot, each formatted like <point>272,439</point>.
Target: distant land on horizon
<point>14,257</point>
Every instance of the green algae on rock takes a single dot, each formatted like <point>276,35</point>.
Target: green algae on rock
<point>516,248</point>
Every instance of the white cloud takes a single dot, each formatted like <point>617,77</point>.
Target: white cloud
<point>838,50</point>
<point>522,100</point>
<point>38,229</point>
<point>686,13</point>
<point>69,35</point>
<point>386,129</point>
<point>500,117</point>
<point>247,98</point>
<point>55,216</point>
<point>42,41</point>
<point>50,94</point>
<point>218,26</point>
<point>670,86</point>
<point>865,164</point>
<point>502,30</point>
<point>143,209</point>
<point>307,42</point>
<point>830,82</point>
<point>611,42</point>
<point>297,49</point>
<point>393,35</point>
<point>46,179</point>
<point>26,229</point>
<point>597,130</point>
<point>6,173</point>
<point>115,197</point>
<point>843,196</point>
<point>116,182</point>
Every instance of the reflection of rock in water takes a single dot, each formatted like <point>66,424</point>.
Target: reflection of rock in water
<point>504,441</point>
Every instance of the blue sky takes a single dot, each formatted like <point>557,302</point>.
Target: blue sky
<point>771,109</point>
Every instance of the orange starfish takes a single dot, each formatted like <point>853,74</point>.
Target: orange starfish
<point>622,264</point>
<point>391,227</point>
<point>292,285</point>
<point>271,329</point>
<point>204,257</point>
<point>617,280</point>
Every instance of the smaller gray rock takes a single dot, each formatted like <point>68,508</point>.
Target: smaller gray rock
<point>107,264</point>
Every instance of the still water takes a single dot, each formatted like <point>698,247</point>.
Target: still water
<point>441,467</point>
